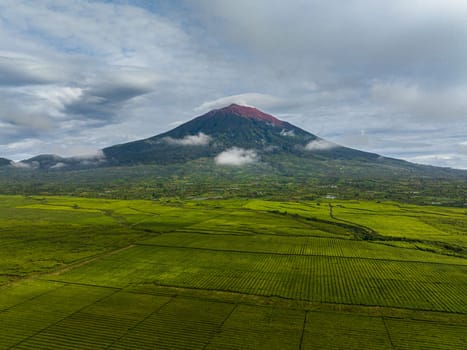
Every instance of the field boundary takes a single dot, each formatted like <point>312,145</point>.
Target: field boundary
<point>295,254</point>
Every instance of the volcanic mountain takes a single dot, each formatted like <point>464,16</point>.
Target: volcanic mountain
<point>240,135</point>
<point>229,152</point>
<point>222,129</point>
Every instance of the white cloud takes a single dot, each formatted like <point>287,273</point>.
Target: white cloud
<point>463,147</point>
<point>320,145</point>
<point>58,165</point>
<point>97,73</point>
<point>452,160</point>
<point>108,70</point>
<point>440,105</point>
<point>62,96</point>
<point>94,158</point>
<point>236,156</point>
<point>90,155</point>
<point>18,69</point>
<point>21,165</point>
<point>251,99</point>
<point>200,139</point>
<point>289,133</point>
<point>24,145</point>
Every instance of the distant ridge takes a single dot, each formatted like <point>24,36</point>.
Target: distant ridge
<point>4,162</point>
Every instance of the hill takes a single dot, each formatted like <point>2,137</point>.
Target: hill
<point>4,162</point>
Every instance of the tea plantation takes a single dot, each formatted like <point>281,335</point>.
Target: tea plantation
<point>79,273</point>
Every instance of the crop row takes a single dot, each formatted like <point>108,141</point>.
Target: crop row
<point>345,331</point>
<point>412,334</point>
<point>270,223</point>
<point>99,325</point>
<point>252,327</point>
<point>299,246</point>
<point>80,317</point>
<point>34,315</point>
<point>314,278</point>
<point>181,324</point>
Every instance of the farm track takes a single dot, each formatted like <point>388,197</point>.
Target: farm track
<point>90,260</point>
<point>71,266</point>
<point>360,231</point>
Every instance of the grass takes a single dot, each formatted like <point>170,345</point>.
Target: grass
<point>230,274</point>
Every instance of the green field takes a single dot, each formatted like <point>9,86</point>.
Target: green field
<point>79,273</point>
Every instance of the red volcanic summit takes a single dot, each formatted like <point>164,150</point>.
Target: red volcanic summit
<point>217,131</point>
<point>247,112</point>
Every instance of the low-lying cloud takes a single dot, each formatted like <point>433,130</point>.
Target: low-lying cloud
<point>237,157</point>
<point>200,139</point>
<point>23,165</point>
<point>320,145</point>
<point>58,165</point>
<point>91,159</point>
<point>289,133</point>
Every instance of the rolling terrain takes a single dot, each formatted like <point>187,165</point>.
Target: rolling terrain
<point>231,274</point>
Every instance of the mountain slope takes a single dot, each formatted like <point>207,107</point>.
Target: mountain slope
<point>201,158</point>
<point>222,129</point>
<point>4,162</point>
<point>245,135</point>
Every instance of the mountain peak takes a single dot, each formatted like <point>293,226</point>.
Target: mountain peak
<point>249,113</point>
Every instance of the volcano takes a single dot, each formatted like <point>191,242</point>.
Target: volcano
<point>235,151</point>
<point>239,135</point>
<point>230,127</point>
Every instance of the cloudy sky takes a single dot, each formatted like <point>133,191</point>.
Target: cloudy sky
<point>383,76</point>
